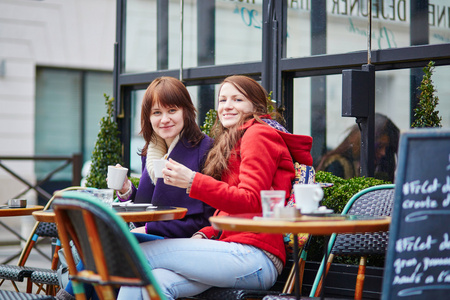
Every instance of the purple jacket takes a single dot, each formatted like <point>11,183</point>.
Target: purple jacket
<point>162,194</point>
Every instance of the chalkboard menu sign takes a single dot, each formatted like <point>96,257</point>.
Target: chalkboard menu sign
<point>418,255</point>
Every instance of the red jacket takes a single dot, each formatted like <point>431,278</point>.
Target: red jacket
<point>263,162</point>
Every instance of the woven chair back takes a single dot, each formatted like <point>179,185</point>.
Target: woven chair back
<point>104,243</point>
<point>377,202</point>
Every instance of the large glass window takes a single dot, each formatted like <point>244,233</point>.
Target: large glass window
<point>439,21</point>
<point>307,45</point>
<point>323,108</point>
<point>140,36</point>
<point>233,34</point>
<point>348,21</point>
<point>238,31</point>
<point>69,106</point>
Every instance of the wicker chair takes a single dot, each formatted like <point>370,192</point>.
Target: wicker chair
<point>11,295</point>
<point>110,253</point>
<point>45,279</point>
<point>373,201</point>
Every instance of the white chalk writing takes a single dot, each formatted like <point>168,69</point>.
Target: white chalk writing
<point>414,244</point>
<point>416,187</point>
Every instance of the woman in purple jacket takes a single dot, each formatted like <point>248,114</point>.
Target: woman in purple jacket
<point>169,130</point>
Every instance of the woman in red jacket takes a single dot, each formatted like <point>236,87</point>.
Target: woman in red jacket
<point>248,156</point>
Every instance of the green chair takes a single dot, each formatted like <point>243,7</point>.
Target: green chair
<point>110,253</point>
<point>372,201</point>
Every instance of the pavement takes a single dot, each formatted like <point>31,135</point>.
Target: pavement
<point>11,246</point>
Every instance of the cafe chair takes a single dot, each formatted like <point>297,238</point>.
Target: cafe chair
<point>110,253</point>
<point>12,295</point>
<point>372,201</point>
<point>45,279</point>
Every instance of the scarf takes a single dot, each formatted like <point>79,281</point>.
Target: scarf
<point>158,150</point>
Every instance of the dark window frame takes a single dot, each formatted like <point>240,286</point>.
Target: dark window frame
<point>279,76</point>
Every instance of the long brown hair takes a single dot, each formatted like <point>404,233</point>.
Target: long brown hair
<point>227,138</point>
<point>169,92</point>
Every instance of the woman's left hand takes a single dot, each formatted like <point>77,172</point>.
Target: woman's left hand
<point>176,174</point>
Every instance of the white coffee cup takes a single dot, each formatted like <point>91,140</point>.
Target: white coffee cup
<point>158,166</point>
<point>116,177</point>
<point>307,197</point>
<point>271,202</point>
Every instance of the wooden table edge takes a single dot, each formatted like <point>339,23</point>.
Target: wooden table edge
<point>25,211</point>
<point>133,216</point>
<point>311,227</point>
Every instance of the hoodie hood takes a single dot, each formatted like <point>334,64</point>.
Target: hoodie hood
<point>299,145</point>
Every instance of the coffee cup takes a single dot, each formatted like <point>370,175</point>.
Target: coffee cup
<point>307,197</point>
<point>116,177</point>
<point>158,166</point>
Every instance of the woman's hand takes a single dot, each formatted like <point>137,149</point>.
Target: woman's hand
<point>176,174</point>
<point>126,184</point>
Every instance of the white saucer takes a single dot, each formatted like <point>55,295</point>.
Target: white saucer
<point>321,212</point>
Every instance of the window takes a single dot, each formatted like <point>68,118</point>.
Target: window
<point>69,106</point>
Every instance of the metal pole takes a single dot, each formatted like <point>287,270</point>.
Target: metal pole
<point>369,34</point>
<point>266,76</point>
<point>181,39</point>
<point>367,125</point>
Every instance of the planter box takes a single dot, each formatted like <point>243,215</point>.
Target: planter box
<point>341,280</point>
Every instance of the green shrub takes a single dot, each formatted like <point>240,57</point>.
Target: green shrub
<point>425,114</point>
<point>336,197</point>
<point>135,181</point>
<point>107,150</point>
<point>210,118</point>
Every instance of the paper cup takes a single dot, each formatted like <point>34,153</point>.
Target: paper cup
<point>158,166</point>
<point>116,177</point>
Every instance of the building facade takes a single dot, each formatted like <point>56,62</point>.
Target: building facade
<point>56,61</point>
<point>57,58</point>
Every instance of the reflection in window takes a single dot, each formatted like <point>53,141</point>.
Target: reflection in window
<point>348,21</point>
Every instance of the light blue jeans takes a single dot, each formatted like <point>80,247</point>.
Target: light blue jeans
<point>187,267</point>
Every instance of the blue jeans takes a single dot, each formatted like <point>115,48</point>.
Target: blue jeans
<point>89,290</point>
<point>187,267</point>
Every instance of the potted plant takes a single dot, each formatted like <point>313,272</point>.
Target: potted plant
<point>425,114</point>
<point>108,148</point>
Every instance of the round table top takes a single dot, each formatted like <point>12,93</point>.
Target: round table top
<point>26,211</point>
<point>317,225</point>
<point>172,213</point>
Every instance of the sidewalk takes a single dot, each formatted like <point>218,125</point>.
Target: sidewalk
<point>9,246</point>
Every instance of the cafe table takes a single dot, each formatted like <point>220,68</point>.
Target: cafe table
<point>324,224</point>
<point>6,211</point>
<point>163,213</point>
